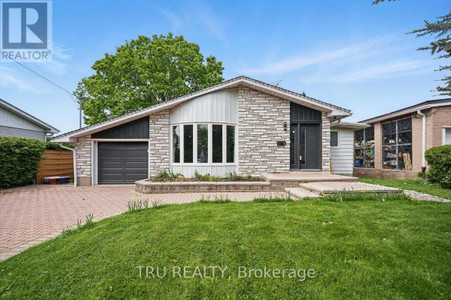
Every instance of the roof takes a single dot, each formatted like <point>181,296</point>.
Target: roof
<point>408,110</point>
<point>8,106</point>
<point>332,110</point>
<point>348,125</point>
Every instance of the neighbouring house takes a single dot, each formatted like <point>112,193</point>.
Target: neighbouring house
<point>241,126</point>
<point>16,122</point>
<point>393,144</point>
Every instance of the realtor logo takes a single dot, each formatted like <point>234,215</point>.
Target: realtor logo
<point>26,31</point>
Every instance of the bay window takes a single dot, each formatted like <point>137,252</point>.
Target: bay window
<point>230,144</point>
<point>188,143</point>
<point>203,143</point>
<point>176,143</point>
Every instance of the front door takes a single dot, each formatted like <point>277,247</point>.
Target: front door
<point>305,146</point>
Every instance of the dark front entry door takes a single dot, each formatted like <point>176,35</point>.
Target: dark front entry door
<point>305,146</point>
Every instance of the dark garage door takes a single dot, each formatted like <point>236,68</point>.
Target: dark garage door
<point>123,162</point>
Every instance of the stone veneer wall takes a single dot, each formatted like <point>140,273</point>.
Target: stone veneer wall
<point>260,126</point>
<point>325,142</point>
<point>83,151</point>
<point>159,142</point>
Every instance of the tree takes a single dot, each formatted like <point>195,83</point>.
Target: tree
<point>441,45</point>
<point>144,72</point>
<point>380,1</point>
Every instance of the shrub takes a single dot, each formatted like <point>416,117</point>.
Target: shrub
<point>439,161</point>
<point>56,146</point>
<point>19,160</point>
<point>166,176</point>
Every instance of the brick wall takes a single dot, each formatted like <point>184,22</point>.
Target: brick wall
<point>260,119</point>
<point>83,151</point>
<point>159,142</point>
<point>377,146</point>
<point>20,132</point>
<point>440,116</point>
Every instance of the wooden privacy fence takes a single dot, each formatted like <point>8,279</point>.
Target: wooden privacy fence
<point>55,163</point>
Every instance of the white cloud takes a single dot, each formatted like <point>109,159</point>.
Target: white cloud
<point>365,48</point>
<point>60,63</point>
<point>387,70</point>
<point>9,79</point>
<point>197,14</point>
<point>174,19</point>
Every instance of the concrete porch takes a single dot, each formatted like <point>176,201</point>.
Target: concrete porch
<point>316,184</point>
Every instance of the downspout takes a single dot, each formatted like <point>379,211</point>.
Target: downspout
<point>75,162</point>
<point>423,146</point>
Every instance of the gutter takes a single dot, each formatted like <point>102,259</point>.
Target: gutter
<point>423,141</point>
<point>75,163</point>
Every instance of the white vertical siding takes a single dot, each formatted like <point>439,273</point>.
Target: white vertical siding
<point>10,119</point>
<point>221,106</point>
<point>342,156</point>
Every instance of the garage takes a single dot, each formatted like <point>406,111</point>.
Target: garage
<point>122,162</point>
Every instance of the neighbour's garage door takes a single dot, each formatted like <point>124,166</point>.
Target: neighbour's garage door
<point>123,162</point>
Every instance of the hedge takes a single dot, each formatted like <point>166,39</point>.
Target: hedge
<point>439,161</point>
<point>19,160</point>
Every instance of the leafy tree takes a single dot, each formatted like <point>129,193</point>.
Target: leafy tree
<point>144,72</point>
<point>441,45</point>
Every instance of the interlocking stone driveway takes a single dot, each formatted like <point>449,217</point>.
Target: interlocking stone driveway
<point>31,215</point>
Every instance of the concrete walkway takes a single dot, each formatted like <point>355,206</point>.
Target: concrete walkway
<point>31,215</point>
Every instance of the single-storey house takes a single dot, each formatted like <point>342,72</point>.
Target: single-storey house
<point>241,126</point>
<point>393,145</point>
<point>15,122</point>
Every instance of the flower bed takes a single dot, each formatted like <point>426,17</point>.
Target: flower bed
<point>231,177</point>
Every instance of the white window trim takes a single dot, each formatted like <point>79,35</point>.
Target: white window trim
<point>210,144</point>
<point>338,138</point>
<point>444,128</point>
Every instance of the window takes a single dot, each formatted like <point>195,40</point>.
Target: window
<point>364,148</point>
<point>188,143</point>
<point>176,143</point>
<point>230,144</point>
<point>202,143</point>
<point>334,138</point>
<point>217,143</point>
<point>397,144</point>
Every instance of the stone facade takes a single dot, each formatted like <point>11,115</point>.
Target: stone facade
<point>261,120</point>
<point>159,142</point>
<point>83,152</point>
<point>325,143</point>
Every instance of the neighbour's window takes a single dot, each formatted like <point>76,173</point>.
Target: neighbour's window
<point>202,143</point>
<point>397,144</point>
<point>364,148</point>
<point>188,143</point>
<point>217,143</point>
<point>334,138</point>
<point>176,143</point>
<point>230,144</point>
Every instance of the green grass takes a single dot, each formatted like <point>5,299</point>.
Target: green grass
<point>415,185</point>
<point>389,247</point>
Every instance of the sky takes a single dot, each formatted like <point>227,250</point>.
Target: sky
<point>348,53</point>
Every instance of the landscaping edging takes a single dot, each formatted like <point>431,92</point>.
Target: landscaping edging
<point>149,187</point>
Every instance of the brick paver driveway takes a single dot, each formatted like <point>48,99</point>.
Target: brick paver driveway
<point>33,214</point>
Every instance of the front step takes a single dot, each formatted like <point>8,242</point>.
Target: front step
<point>333,187</point>
<point>300,193</point>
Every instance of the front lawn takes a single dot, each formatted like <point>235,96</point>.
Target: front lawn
<point>415,185</point>
<point>390,247</point>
